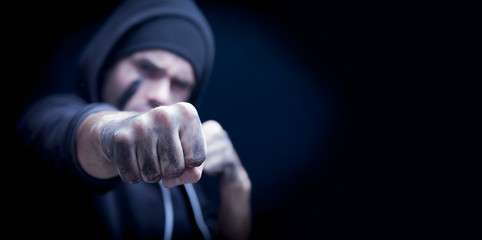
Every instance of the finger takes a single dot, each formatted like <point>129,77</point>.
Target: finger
<point>125,159</point>
<point>215,146</point>
<point>146,151</point>
<point>215,163</point>
<point>148,160</point>
<point>213,131</point>
<point>192,137</point>
<point>209,130</point>
<point>170,154</point>
<point>210,125</point>
<point>190,175</point>
<point>214,158</point>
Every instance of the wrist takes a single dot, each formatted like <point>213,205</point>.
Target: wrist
<point>90,155</point>
<point>235,178</point>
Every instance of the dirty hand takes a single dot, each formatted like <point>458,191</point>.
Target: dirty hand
<point>166,143</point>
<point>222,160</point>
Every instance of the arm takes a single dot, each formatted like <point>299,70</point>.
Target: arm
<point>166,143</point>
<point>234,220</point>
<point>47,129</point>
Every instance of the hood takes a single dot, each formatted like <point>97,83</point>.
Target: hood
<point>127,16</point>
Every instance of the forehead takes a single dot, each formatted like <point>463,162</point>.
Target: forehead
<point>162,58</point>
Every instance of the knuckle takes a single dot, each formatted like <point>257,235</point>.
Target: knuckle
<point>139,127</point>
<point>122,138</point>
<point>214,128</point>
<point>212,124</point>
<point>160,115</point>
<point>185,106</point>
<point>137,123</point>
<point>187,110</point>
<point>222,132</point>
<point>173,171</point>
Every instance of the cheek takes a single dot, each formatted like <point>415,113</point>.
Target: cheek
<point>109,90</point>
<point>180,96</point>
<point>116,85</point>
<point>136,101</point>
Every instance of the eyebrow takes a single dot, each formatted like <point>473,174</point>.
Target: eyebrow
<point>177,78</point>
<point>141,61</point>
<point>183,81</point>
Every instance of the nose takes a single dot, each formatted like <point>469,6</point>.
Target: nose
<point>159,93</point>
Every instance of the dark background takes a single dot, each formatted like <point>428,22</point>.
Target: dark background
<point>285,86</point>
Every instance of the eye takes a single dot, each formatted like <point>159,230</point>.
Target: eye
<point>146,66</point>
<point>181,84</point>
<point>149,69</point>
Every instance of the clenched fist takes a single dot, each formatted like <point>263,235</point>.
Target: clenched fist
<point>165,143</point>
<point>222,160</point>
<point>235,186</point>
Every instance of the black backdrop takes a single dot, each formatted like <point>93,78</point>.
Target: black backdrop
<point>284,86</point>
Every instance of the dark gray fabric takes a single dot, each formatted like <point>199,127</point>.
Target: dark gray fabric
<point>176,35</point>
<point>48,128</point>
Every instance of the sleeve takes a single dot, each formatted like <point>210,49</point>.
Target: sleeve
<point>48,129</point>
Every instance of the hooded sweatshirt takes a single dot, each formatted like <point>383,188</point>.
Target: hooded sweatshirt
<point>48,127</point>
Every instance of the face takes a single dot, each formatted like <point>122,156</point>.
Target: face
<point>147,79</point>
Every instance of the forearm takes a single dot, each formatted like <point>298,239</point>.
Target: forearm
<point>234,214</point>
<point>48,129</point>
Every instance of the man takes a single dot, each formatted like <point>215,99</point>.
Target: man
<point>130,127</point>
